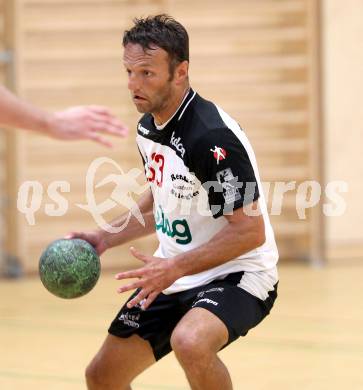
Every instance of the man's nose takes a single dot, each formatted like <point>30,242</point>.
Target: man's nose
<point>133,83</point>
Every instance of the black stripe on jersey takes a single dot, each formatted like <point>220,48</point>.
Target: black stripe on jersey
<point>210,150</point>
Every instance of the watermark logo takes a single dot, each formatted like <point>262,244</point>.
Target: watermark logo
<point>125,185</point>
<point>30,196</point>
<point>175,202</point>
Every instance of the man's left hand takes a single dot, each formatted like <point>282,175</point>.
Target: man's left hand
<point>155,276</point>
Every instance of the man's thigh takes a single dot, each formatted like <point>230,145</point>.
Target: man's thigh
<point>237,309</point>
<point>153,325</point>
<point>120,360</point>
<point>200,330</point>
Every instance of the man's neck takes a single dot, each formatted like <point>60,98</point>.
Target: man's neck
<point>173,107</point>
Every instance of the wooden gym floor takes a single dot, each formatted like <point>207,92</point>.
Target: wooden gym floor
<point>313,339</point>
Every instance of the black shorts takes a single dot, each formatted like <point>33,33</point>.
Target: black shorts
<point>236,308</point>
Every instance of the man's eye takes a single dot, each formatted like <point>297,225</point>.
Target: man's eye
<point>147,73</point>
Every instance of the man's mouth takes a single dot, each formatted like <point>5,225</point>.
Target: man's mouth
<point>138,98</point>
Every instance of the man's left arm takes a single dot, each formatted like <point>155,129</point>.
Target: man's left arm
<point>242,234</point>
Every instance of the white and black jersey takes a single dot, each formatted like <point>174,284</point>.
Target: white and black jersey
<point>201,166</point>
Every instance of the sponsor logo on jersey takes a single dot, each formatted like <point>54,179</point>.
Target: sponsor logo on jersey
<point>143,129</point>
<point>183,188</point>
<point>177,176</point>
<point>182,192</point>
<point>229,188</point>
<point>219,153</point>
<point>177,144</point>
<point>178,228</point>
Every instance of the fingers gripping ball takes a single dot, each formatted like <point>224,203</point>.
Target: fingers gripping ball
<point>69,268</point>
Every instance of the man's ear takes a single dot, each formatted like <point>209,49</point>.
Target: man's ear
<point>181,72</point>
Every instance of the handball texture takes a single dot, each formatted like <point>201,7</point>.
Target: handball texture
<point>69,268</point>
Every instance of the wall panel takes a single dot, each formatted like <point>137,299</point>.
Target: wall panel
<point>254,59</point>
<point>70,54</point>
<point>257,61</point>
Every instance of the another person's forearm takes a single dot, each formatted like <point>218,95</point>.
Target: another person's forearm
<point>17,113</point>
<point>74,123</point>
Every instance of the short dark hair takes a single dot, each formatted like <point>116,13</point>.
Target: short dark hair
<point>162,31</point>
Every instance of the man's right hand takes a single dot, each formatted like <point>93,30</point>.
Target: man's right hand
<point>95,238</point>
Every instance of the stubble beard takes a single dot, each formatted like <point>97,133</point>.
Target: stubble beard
<point>160,102</point>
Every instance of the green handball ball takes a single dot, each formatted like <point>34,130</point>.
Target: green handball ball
<point>69,268</point>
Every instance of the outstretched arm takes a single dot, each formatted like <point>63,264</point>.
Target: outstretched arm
<point>82,122</point>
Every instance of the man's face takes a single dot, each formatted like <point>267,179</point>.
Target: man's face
<point>150,82</point>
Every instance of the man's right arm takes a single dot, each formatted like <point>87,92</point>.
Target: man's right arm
<point>102,240</point>
<point>133,229</point>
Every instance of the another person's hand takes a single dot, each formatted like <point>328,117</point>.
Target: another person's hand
<point>86,122</point>
<point>95,238</point>
<point>156,275</point>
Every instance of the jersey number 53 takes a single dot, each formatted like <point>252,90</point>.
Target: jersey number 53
<point>155,169</point>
